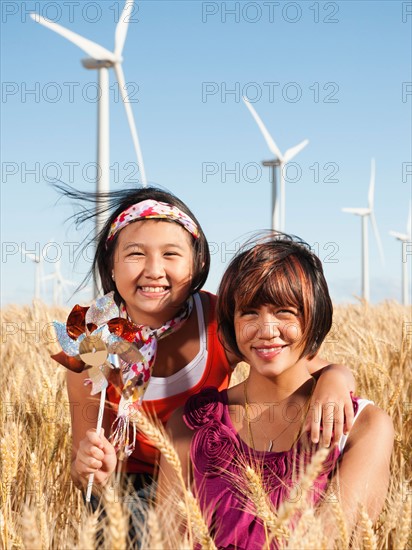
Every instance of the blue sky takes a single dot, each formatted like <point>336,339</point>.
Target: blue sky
<point>337,73</point>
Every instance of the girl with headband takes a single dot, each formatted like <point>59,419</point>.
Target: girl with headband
<point>274,312</point>
<point>154,255</point>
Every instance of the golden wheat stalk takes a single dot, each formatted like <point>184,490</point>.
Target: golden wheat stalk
<point>160,439</point>
<point>87,532</point>
<point>404,522</point>
<point>308,533</point>
<point>263,507</point>
<point>31,537</point>
<point>338,516</point>
<point>369,540</point>
<point>153,531</point>
<point>305,482</point>
<point>118,520</point>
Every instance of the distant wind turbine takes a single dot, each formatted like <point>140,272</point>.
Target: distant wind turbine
<point>38,270</point>
<point>405,238</point>
<point>278,212</point>
<point>60,284</point>
<point>366,213</point>
<point>103,59</point>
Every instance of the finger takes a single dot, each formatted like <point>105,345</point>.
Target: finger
<point>88,465</point>
<point>349,416</point>
<point>338,424</point>
<point>89,449</point>
<point>328,414</point>
<point>314,421</point>
<point>95,438</point>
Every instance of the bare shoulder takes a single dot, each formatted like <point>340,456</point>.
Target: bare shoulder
<point>374,418</point>
<point>373,426</point>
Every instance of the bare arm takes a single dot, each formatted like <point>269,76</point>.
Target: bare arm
<point>90,453</point>
<point>363,474</point>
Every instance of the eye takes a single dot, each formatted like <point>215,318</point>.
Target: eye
<point>135,253</point>
<point>170,253</point>
<point>247,313</point>
<point>287,312</point>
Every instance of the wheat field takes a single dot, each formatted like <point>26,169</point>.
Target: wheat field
<point>40,509</point>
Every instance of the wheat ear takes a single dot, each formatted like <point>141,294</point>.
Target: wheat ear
<point>288,508</point>
<point>263,508</point>
<point>404,529</point>
<point>29,531</point>
<point>117,524</point>
<point>368,536</point>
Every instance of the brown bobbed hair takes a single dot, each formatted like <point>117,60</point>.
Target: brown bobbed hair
<point>279,270</point>
<point>113,204</point>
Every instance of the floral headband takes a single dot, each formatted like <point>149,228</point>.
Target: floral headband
<point>152,209</point>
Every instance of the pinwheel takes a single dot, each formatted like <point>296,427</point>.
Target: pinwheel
<point>99,340</point>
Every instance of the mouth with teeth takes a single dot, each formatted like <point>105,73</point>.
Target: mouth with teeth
<point>267,352</point>
<point>153,289</point>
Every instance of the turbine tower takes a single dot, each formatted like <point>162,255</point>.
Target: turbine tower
<point>102,59</point>
<point>38,271</point>
<point>366,213</point>
<point>60,284</point>
<point>405,238</point>
<point>278,210</point>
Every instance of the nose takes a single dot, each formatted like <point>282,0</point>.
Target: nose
<point>154,268</point>
<point>269,328</point>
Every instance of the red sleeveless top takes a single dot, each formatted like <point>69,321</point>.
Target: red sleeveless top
<point>216,373</point>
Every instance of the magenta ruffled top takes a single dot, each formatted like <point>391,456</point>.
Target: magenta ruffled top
<point>217,454</point>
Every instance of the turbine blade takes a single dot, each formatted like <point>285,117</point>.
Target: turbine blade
<point>129,113</point>
<point>268,138</point>
<point>399,236</point>
<point>357,211</point>
<point>91,48</point>
<point>372,185</point>
<point>122,27</point>
<point>30,255</point>
<point>377,236</point>
<point>409,222</point>
<point>293,151</point>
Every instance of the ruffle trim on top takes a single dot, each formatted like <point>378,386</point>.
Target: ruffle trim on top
<point>203,407</point>
<point>218,457</point>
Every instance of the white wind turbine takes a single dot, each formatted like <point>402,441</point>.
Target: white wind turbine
<point>38,270</point>
<point>405,238</point>
<point>278,212</point>
<point>60,284</point>
<point>366,213</point>
<point>102,60</point>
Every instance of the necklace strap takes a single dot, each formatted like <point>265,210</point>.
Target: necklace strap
<point>249,427</point>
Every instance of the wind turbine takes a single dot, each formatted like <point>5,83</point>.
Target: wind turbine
<point>102,60</point>
<point>405,238</point>
<point>278,212</point>
<point>60,284</point>
<point>366,213</point>
<point>38,270</point>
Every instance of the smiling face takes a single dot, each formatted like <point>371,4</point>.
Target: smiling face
<point>269,337</point>
<point>153,269</point>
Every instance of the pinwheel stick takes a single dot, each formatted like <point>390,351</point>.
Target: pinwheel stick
<point>98,430</point>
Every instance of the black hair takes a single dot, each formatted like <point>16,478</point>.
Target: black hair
<point>276,269</point>
<point>111,205</point>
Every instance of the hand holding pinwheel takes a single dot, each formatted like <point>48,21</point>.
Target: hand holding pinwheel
<point>97,339</point>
